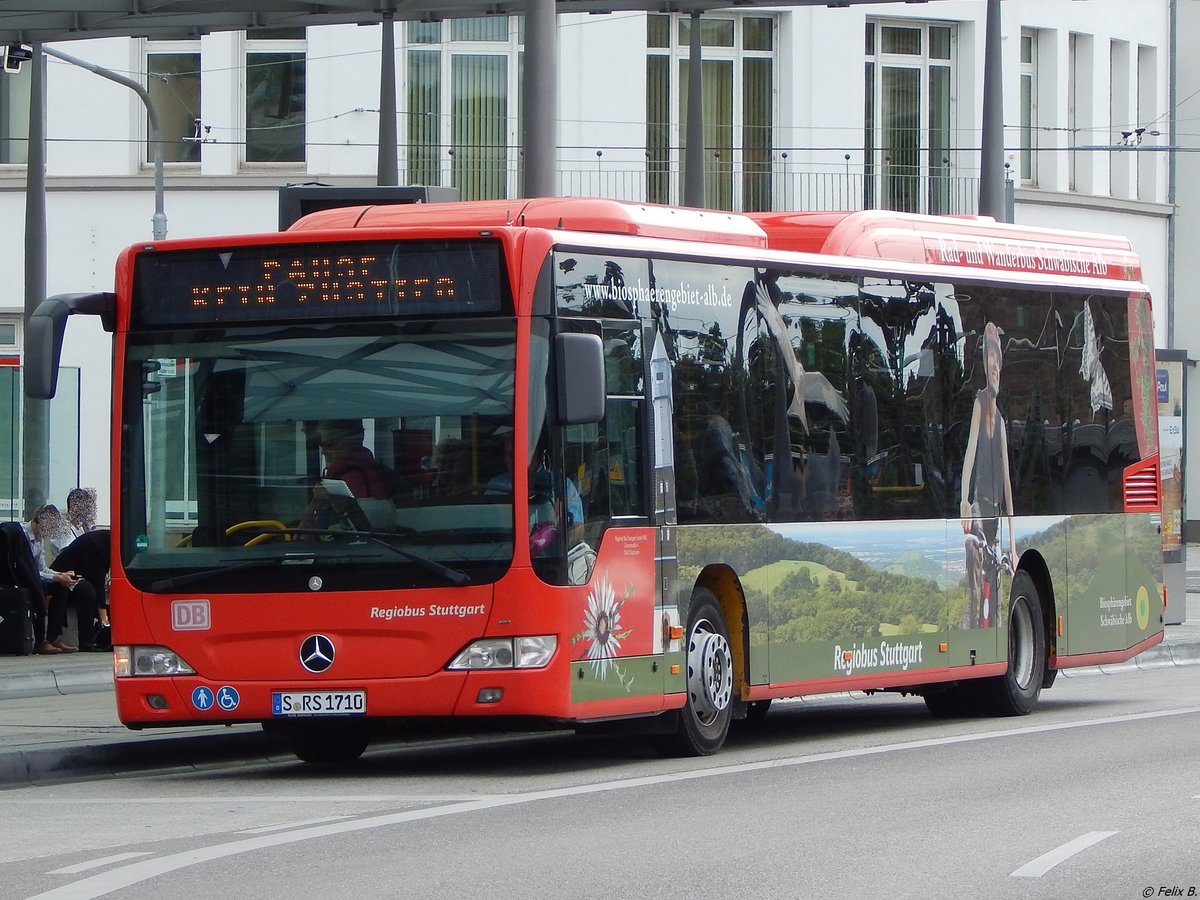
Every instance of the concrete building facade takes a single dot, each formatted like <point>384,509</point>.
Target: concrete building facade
<point>812,107</point>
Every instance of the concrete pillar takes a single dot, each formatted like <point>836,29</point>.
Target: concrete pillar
<point>540,137</point>
<point>387,173</point>
<point>991,156</point>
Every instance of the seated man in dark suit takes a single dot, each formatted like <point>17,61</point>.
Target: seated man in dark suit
<point>88,557</point>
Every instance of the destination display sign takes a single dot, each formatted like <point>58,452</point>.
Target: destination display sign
<point>272,282</point>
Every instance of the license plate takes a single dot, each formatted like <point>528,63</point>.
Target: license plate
<point>319,703</point>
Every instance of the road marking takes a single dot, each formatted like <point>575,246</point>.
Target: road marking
<point>1038,867</point>
<point>97,863</point>
<point>135,873</point>
<point>265,829</point>
<point>252,798</point>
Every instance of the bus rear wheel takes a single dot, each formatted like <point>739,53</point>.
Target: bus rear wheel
<point>1016,692</point>
<point>702,724</point>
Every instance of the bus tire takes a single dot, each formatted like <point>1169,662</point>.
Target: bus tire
<point>757,710</point>
<point>953,702</point>
<point>321,746</point>
<point>1015,693</point>
<point>701,726</point>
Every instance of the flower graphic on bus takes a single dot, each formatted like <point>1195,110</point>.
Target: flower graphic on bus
<point>602,630</point>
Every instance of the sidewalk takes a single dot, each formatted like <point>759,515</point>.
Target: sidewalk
<point>58,718</point>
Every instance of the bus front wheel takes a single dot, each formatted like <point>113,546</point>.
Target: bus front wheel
<point>321,746</point>
<point>702,724</point>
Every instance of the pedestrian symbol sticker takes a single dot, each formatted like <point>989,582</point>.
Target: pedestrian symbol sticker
<point>228,699</point>
<point>202,698</point>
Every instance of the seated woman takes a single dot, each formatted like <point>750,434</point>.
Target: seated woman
<point>349,462</point>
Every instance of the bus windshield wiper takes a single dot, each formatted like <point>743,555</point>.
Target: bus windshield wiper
<point>454,576</point>
<point>384,539</point>
<point>169,584</point>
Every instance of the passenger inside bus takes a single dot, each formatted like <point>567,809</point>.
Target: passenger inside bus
<point>351,474</point>
<point>546,505</point>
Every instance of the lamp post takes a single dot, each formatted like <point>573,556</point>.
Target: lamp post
<point>159,221</point>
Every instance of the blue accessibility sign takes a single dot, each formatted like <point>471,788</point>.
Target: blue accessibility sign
<point>202,698</point>
<point>228,699</point>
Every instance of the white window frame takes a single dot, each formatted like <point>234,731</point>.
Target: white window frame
<point>680,53</point>
<point>18,83</point>
<point>7,348</point>
<point>1028,158</point>
<point>511,49</point>
<point>247,46</point>
<point>923,62</point>
<point>156,48</point>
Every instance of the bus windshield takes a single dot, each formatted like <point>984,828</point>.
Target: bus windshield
<point>333,456</point>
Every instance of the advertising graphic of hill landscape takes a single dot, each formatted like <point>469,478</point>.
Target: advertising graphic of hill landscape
<point>887,579</point>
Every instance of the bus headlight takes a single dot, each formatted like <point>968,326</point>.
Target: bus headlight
<point>133,661</point>
<point>507,653</point>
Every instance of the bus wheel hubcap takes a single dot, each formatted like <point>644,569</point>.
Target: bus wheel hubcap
<point>710,673</point>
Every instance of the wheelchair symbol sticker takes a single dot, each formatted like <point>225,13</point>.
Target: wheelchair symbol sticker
<point>228,699</point>
<point>202,698</point>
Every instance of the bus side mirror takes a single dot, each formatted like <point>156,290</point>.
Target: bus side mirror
<point>579,365</point>
<point>44,336</point>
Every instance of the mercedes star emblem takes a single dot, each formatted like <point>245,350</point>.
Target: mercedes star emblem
<point>316,653</point>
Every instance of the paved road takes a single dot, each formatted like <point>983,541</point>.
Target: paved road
<point>846,796</point>
<point>58,718</point>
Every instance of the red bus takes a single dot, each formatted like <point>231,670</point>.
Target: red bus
<point>586,462</point>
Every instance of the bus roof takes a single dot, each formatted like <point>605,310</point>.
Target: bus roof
<point>587,215</point>
<point>975,241</point>
<point>962,241</point>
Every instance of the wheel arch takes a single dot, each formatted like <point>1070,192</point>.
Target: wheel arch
<point>724,584</point>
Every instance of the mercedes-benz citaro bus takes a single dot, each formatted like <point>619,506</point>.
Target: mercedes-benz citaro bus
<point>582,462</point>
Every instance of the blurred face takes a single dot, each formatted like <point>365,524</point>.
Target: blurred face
<point>335,445</point>
<point>993,369</point>
<point>42,525</point>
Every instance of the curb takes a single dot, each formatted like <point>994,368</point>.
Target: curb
<point>1165,655</point>
<point>54,682</point>
<point>1184,653</point>
<point>131,757</point>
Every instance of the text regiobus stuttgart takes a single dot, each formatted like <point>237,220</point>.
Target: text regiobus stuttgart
<point>581,462</point>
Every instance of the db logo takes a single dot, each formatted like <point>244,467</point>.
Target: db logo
<point>190,615</point>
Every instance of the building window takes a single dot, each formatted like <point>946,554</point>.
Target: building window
<point>908,141</point>
<point>275,84</point>
<point>1147,117</point>
<point>461,104</point>
<point>1079,111</point>
<point>173,82</point>
<point>1028,102</point>
<point>737,79</point>
<point>1120,116</point>
<point>14,116</point>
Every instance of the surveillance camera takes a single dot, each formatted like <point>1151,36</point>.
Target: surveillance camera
<point>14,55</point>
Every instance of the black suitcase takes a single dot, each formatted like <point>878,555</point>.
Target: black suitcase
<point>16,621</point>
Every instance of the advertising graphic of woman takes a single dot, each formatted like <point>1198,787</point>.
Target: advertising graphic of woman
<point>986,494</point>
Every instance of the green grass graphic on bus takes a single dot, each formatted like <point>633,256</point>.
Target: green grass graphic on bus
<point>889,593</point>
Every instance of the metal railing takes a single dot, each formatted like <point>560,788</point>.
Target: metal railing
<point>625,174</point>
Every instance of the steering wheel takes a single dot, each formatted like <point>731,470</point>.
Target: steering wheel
<point>281,530</point>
